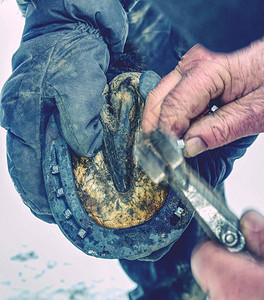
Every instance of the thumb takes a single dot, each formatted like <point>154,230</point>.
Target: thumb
<point>225,275</point>
<point>237,119</point>
<point>210,263</point>
<point>79,114</point>
<point>252,225</point>
<point>78,89</point>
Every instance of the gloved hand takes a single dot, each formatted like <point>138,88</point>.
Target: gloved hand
<point>59,68</point>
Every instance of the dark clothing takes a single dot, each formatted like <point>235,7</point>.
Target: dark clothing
<point>170,277</point>
<point>222,26</point>
<point>150,31</point>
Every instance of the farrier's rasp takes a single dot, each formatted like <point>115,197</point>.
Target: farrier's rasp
<point>161,157</point>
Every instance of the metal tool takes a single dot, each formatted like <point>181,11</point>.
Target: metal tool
<point>161,157</point>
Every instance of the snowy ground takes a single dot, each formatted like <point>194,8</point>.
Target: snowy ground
<point>36,260</point>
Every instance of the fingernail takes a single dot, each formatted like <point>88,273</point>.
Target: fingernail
<point>251,222</point>
<point>194,146</point>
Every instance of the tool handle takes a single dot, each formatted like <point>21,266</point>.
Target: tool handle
<point>215,218</point>
<point>162,159</point>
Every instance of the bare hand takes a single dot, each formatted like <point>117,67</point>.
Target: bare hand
<point>237,78</point>
<point>223,275</point>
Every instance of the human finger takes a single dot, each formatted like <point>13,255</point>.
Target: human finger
<point>225,275</point>
<point>252,225</point>
<point>189,98</point>
<point>234,120</point>
<point>150,121</point>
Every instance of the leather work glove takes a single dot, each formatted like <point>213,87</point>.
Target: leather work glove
<point>59,68</point>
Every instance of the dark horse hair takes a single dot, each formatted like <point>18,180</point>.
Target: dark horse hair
<point>129,61</point>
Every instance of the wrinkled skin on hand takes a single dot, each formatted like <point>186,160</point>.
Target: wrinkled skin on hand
<point>236,78</point>
<point>237,276</point>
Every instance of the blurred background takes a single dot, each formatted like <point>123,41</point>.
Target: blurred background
<point>36,260</point>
